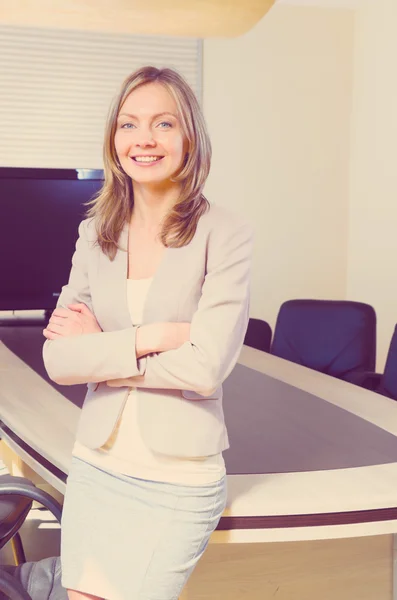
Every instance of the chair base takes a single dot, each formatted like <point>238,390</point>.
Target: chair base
<point>17,550</point>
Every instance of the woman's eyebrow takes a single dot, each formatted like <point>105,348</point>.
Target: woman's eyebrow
<point>162,114</point>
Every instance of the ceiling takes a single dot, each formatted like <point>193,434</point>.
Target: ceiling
<point>187,18</point>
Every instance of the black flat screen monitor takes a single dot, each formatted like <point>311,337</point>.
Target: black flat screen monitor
<point>40,211</point>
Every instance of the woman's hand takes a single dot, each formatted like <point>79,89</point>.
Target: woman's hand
<point>160,337</point>
<point>77,319</point>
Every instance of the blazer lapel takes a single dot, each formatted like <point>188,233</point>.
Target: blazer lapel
<point>113,286</point>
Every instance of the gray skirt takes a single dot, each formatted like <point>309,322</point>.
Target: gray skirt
<point>125,538</point>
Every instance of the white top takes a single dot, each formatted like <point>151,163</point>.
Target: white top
<point>126,452</point>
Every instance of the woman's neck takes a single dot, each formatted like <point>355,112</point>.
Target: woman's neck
<point>152,203</point>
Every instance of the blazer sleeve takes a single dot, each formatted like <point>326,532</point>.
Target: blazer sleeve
<point>218,326</point>
<point>92,357</point>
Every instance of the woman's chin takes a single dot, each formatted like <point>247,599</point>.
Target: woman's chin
<point>150,181</point>
<point>161,180</point>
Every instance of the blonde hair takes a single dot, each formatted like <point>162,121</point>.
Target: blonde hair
<point>112,207</point>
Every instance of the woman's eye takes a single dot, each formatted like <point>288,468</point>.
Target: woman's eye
<point>165,125</point>
<point>127,126</point>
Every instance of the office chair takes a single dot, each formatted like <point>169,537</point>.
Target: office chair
<point>16,497</point>
<point>335,337</point>
<point>258,335</point>
<point>385,383</point>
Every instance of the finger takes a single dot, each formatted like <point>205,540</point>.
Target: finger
<point>50,335</point>
<point>77,306</point>
<point>80,307</point>
<point>71,317</point>
<point>57,320</point>
<point>61,312</point>
<point>55,328</point>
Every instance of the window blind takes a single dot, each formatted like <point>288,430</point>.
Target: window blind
<point>56,87</point>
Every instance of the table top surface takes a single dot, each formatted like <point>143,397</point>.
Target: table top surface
<point>311,456</point>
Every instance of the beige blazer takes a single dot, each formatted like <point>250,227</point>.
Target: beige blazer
<point>206,283</point>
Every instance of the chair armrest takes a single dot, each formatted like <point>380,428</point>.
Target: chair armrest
<point>28,490</point>
<point>10,587</point>
<point>366,379</point>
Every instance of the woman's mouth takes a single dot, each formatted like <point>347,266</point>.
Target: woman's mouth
<point>146,161</point>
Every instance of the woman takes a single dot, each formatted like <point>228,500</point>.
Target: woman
<point>152,319</point>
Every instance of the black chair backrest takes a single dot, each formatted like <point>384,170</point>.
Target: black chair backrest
<point>335,337</point>
<point>258,335</point>
<point>388,382</point>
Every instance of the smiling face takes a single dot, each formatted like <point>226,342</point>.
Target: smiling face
<point>149,140</point>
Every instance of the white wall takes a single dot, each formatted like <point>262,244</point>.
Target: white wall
<point>295,107</point>
<point>277,101</point>
<point>372,248</point>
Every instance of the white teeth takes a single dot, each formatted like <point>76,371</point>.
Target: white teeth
<point>147,158</point>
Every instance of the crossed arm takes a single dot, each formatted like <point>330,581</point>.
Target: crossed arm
<point>195,357</point>
<point>77,319</point>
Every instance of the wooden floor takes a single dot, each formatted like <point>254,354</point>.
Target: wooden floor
<point>345,569</point>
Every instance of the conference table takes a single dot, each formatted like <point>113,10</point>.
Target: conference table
<point>312,477</point>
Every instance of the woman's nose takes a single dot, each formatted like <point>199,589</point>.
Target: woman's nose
<point>145,138</point>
